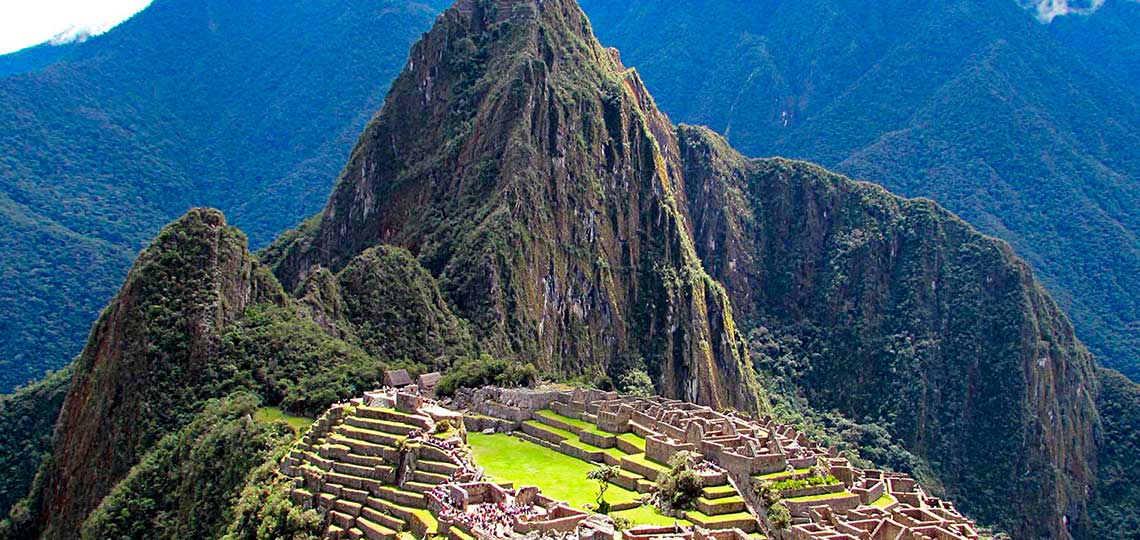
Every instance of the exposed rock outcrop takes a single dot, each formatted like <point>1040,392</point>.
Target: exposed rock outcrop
<point>135,380</point>
<point>909,316</point>
<point>533,175</point>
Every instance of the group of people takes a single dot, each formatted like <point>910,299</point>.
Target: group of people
<point>706,466</point>
<point>494,519</point>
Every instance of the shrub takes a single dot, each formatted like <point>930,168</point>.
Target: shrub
<point>800,483</point>
<point>443,427</point>
<point>485,371</point>
<point>779,517</point>
<point>637,383</point>
<point>679,486</point>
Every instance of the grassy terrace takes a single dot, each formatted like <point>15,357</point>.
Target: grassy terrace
<point>634,439</point>
<point>884,501</point>
<point>715,492</point>
<point>574,422</point>
<point>640,459</point>
<point>266,415</point>
<point>781,475</point>
<point>565,434</point>
<point>508,459</point>
<point>822,497</point>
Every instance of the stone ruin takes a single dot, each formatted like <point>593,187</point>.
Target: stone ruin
<point>395,463</point>
<point>862,505</point>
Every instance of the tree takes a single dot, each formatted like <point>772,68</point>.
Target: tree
<point>680,485</point>
<point>779,517</point>
<point>603,476</point>
<point>637,383</point>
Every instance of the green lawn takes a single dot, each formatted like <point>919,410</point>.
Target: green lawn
<point>574,422</point>
<point>508,459</point>
<point>274,414</point>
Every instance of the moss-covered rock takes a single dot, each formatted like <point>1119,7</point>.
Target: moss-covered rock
<point>899,313</point>
<point>543,192</point>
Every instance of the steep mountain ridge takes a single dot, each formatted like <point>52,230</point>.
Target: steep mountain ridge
<point>242,106</point>
<point>910,317</point>
<point>141,372</point>
<point>1026,130</point>
<point>520,184</point>
<point>544,193</point>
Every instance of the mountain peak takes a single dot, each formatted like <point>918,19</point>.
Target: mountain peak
<point>139,372</point>
<point>532,174</point>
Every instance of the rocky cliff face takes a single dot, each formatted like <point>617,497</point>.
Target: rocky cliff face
<point>137,375</point>
<point>520,194</point>
<point>533,175</point>
<point>907,315</point>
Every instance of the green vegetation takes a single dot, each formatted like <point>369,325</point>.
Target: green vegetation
<point>1118,457</point>
<point>274,414</point>
<point>83,193</point>
<point>679,485</point>
<point>916,97</point>
<point>561,477</point>
<point>800,483</point>
<point>779,517</point>
<point>265,512</point>
<point>27,420</point>
<point>292,362</point>
<point>485,370</point>
<point>872,364</point>
<point>397,312</point>
<point>186,486</point>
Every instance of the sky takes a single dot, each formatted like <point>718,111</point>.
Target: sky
<point>24,23</point>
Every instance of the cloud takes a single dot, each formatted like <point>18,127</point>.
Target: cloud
<point>1047,10</point>
<point>24,23</point>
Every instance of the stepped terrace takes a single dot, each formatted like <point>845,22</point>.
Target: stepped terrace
<point>514,464</point>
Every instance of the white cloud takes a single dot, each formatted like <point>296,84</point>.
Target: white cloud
<point>1047,10</point>
<point>24,23</point>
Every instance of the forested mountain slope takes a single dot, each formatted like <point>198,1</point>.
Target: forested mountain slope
<point>249,106</point>
<point>897,312</point>
<point>519,194</point>
<point>1026,130</point>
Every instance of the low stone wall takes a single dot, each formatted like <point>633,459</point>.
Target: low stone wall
<point>481,424</point>
<point>838,505</point>
<point>811,491</point>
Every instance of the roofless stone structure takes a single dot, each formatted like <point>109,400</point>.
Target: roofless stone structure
<point>394,463</point>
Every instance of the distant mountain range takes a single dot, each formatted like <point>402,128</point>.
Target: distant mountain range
<point>520,205</point>
<point>1027,130</point>
<point>250,107</point>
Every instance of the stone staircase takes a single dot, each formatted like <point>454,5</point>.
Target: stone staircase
<point>357,465</point>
